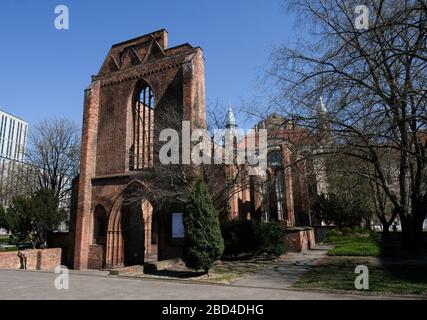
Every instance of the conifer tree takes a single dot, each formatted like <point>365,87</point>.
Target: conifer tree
<point>203,241</point>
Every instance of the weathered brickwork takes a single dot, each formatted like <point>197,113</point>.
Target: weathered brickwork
<point>45,260</point>
<point>176,77</point>
<point>108,231</point>
<point>287,192</point>
<point>300,239</point>
<point>96,256</point>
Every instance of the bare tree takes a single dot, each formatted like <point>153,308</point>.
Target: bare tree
<point>375,85</point>
<point>55,152</point>
<point>16,179</point>
<point>174,181</point>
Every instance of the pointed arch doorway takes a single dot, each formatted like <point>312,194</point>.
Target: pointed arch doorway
<point>132,234</point>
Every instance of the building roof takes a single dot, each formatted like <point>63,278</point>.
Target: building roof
<point>143,37</point>
<point>13,116</point>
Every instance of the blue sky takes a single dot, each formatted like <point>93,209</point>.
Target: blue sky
<point>43,71</point>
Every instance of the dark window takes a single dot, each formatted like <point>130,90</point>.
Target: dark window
<point>99,225</point>
<point>274,158</point>
<point>279,195</point>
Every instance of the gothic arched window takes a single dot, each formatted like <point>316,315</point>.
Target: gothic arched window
<point>274,158</point>
<point>141,153</point>
<point>279,181</point>
<point>275,192</point>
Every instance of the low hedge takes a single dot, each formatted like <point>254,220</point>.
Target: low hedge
<point>4,239</point>
<point>243,237</point>
<point>8,249</point>
<point>354,243</point>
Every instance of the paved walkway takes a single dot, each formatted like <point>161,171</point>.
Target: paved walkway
<point>27,285</point>
<point>273,283</point>
<point>285,273</point>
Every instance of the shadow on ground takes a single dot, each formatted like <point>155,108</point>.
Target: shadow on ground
<point>406,265</point>
<point>395,271</point>
<point>175,274</point>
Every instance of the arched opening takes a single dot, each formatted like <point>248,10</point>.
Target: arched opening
<point>141,151</point>
<point>133,228</point>
<point>132,231</point>
<point>274,158</point>
<point>99,225</point>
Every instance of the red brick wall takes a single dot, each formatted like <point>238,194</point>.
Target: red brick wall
<point>65,241</point>
<point>300,239</point>
<point>96,257</point>
<point>176,76</point>
<point>311,238</point>
<point>45,260</point>
<point>295,241</point>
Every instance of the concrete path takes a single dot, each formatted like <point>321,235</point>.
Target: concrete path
<point>27,285</point>
<point>273,283</point>
<point>285,273</point>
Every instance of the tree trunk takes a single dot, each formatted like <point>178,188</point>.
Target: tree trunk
<point>386,223</point>
<point>412,224</point>
<point>412,233</point>
<point>386,229</point>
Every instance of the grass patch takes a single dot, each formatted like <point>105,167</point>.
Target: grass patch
<point>357,244</point>
<point>8,249</point>
<point>356,249</point>
<point>394,279</point>
<point>4,239</point>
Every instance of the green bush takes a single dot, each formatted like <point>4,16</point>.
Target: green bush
<point>270,238</point>
<point>238,237</point>
<point>333,234</point>
<point>4,239</point>
<point>347,231</point>
<point>344,209</point>
<point>8,249</point>
<point>31,217</point>
<point>252,237</point>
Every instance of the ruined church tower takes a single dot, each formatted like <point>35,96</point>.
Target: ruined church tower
<point>139,80</point>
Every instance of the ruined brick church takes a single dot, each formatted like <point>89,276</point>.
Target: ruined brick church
<point>118,221</point>
<point>138,80</point>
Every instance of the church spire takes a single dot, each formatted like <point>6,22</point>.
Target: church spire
<point>323,122</point>
<point>231,120</point>
<point>322,107</point>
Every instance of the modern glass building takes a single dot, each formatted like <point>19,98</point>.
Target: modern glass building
<point>13,137</point>
<point>13,140</point>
